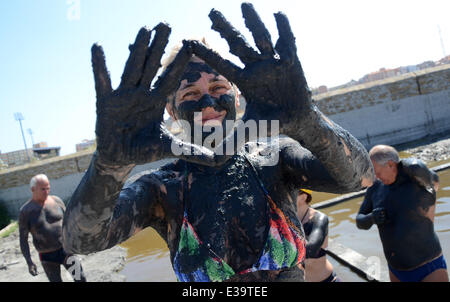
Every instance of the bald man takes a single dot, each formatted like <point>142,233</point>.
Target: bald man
<point>42,216</point>
<point>402,204</point>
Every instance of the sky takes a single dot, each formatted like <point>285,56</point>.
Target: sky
<point>45,64</point>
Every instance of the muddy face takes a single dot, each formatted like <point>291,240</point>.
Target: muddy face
<point>204,98</point>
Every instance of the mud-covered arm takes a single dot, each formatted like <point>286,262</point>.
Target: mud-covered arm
<point>23,236</point>
<point>343,156</point>
<point>364,218</point>
<point>301,169</point>
<point>317,236</point>
<point>101,214</point>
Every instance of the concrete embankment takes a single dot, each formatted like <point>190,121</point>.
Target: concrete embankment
<point>395,110</point>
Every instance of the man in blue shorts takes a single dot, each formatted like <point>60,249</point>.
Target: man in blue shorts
<point>402,204</point>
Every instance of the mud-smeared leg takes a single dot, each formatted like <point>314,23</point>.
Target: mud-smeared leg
<point>52,270</point>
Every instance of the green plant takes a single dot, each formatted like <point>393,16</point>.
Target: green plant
<point>12,229</point>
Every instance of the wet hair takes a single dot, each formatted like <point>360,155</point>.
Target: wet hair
<point>382,154</point>
<point>34,180</point>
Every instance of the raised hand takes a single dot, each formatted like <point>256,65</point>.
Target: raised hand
<point>275,88</point>
<point>379,216</point>
<point>272,80</point>
<point>129,118</point>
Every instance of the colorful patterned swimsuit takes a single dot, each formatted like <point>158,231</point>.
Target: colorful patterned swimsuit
<point>194,260</point>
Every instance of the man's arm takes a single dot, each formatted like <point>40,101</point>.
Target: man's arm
<point>365,219</point>
<point>23,236</point>
<point>419,172</point>
<point>24,246</point>
<point>431,213</point>
<point>425,178</point>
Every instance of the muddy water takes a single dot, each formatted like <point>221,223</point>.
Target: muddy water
<point>148,255</point>
<point>148,260</point>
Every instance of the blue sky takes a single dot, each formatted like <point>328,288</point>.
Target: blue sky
<point>45,49</point>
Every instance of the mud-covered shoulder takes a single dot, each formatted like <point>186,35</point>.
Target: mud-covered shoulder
<point>264,155</point>
<point>28,207</point>
<point>321,220</point>
<point>418,171</point>
<point>267,152</point>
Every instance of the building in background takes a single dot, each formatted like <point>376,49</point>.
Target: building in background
<point>38,152</point>
<point>3,165</point>
<point>16,158</point>
<point>46,152</point>
<point>384,73</point>
<point>85,144</point>
<point>40,145</point>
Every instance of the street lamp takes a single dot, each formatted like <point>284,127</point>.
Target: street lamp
<point>19,117</point>
<point>30,132</point>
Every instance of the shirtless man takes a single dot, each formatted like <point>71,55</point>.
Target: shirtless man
<point>315,224</point>
<point>402,204</point>
<point>42,216</point>
<point>224,217</point>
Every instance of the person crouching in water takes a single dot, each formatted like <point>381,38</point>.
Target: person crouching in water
<point>315,225</point>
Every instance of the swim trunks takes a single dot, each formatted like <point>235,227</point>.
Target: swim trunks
<point>418,274</point>
<point>332,278</point>
<point>58,256</point>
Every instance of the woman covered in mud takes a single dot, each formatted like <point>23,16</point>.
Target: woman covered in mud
<point>225,217</point>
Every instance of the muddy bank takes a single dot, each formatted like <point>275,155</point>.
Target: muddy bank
<point>103,266</point>
<point>429,150</point>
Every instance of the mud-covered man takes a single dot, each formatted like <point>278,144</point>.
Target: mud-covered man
<point>42,216</point>
<point>225,217</point>
<point>402,204</point>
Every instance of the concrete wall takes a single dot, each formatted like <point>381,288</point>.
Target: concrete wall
<point>393,111</point>
<point>65,173</point>
<point>390,111</point>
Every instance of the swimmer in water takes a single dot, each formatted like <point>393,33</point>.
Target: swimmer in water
<point>225,217</point>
